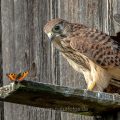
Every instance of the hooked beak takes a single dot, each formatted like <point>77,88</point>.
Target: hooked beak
<point>50,35</point>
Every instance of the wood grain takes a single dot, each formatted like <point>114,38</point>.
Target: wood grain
<point>1,69</point>
<point>25,48</point>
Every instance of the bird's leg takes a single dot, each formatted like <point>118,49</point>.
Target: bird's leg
<point>91,85</point>
<point>90,80</point>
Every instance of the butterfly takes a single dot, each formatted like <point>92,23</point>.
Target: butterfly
<point>17,77</point>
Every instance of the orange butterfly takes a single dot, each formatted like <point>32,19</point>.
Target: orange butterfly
<point>17,77</point>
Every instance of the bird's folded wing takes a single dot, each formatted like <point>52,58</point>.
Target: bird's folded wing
<point>100,48</point>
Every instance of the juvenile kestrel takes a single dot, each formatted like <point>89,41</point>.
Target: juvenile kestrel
<point>89,51</point>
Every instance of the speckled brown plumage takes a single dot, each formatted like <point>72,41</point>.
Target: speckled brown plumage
<point>87,50</point>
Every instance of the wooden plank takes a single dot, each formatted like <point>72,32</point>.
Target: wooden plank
<point>68,10</point>
<point>60,97</point>
<point>24,47</point>
<point>1,69</point>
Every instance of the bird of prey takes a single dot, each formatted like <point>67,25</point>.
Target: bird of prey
<point>92,52</point>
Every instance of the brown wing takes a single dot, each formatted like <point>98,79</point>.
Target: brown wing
<point>97,46</point>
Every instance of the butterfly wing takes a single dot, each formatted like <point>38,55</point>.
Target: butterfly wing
<point>21,76</point>
<point>11,76</point>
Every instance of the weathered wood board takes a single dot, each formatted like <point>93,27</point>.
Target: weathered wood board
<point>60,98</point>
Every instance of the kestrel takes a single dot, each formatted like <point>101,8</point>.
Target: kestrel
<point>87,50</point>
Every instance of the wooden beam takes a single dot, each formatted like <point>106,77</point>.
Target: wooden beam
<point>60,98</point>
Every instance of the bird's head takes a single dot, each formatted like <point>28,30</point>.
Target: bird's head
<point>57,28</point>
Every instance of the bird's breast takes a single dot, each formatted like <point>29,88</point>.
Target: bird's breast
<point>78,61</point>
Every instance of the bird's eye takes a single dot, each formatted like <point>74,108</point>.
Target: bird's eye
<point>57,28</point>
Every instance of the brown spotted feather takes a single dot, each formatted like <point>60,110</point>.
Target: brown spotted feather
<point>89,50</point>
<point>98,46</point>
